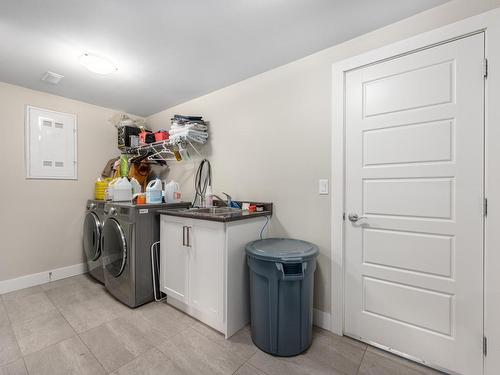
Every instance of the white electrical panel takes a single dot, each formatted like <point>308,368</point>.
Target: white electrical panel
<point>50,144</point>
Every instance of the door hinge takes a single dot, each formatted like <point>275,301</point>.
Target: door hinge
<point>485,68</point>
<point>485,346</point>
<point>485,207</point>
<point>343,216</point>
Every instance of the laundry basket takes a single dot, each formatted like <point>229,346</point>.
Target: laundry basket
<point>281,294</point>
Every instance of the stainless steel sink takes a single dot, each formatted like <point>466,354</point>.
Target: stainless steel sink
<point>215,211</point>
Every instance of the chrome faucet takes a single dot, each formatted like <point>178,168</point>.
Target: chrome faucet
<point>226,202</point>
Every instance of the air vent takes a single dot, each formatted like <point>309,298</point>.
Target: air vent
<point>47,163</point>
<point>52,78</point>
<point>47,123</point>
<point>59,125</point>
<point>59,164</point>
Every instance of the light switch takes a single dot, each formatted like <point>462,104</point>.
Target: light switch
<point>323,187</point>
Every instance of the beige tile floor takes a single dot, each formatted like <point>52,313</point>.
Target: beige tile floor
<point>73,326</point>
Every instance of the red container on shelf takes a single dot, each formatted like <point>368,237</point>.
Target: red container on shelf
<point>161,135</point>
<point>142,137</point>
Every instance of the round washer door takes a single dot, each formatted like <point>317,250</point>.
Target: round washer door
<point>92,236</point>
<point>114,247</point>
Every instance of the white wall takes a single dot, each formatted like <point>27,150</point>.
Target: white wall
<point>41,220</point>
<point>271,134</point>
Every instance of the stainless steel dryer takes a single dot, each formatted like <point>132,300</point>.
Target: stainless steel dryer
<point>92,226</point>
<point>127,235</point>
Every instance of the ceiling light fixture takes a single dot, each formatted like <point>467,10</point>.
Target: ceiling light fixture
<point>97,64</point>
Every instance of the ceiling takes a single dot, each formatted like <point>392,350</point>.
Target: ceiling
<point>167,51</point>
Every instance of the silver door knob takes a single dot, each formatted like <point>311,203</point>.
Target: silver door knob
<point>355,218</point>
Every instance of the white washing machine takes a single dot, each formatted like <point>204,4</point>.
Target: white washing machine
<point>92,228</point>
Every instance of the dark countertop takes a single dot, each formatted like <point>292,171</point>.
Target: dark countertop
<point>235,216</point>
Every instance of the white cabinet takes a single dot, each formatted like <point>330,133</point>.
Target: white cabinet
<point>206,262</point>
<point>203,269</point>
<point>174,263</point>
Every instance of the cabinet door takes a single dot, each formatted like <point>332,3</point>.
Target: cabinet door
<point>174,265</point>
<point>206,271</point>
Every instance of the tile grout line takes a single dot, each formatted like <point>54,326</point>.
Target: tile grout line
<point>92,353</point>
<point>248,360</point>
<point>238,369</point>
<point>362,359</point>
<point>25,366</point>
<point>254,366</point>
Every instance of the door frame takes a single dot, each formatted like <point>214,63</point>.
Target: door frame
<point>489,23</point>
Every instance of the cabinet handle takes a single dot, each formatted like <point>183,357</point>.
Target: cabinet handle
<point>188,236</point>
<point>184,235</point>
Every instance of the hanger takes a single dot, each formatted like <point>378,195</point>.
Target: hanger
<point>157,155</point>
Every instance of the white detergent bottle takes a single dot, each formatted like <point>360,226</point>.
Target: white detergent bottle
<point>172,192</point>
<point>122,190</point>
<point>153,192</point>
<point>109,189</point>
<point>136,186</point>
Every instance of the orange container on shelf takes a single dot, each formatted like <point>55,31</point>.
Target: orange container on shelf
<point>141,199</point>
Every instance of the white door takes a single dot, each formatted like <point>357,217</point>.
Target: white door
<point>174,255</point>
<point>206,269</point>
<point>414,170</point>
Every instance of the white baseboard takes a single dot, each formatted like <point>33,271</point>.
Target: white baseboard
<point>41,278</point>
<point>322,319</point>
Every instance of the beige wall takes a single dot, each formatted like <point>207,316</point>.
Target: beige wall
<point>41,220</point>
<point>271,137</point>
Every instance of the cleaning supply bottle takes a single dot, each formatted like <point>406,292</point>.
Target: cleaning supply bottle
<point>177,154</point>
<point>153,191</point>
<point>122,190</point>
<point>172,192</point>
<point>136,186</point>
<point>124,165</point>
<point>109,190</point>
<point>101,186</point>
<point>209,198</point>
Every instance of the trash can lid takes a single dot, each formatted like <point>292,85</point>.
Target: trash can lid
<point>285,250</point>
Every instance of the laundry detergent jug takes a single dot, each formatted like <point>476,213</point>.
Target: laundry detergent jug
<point>109,190</point>
<point>172,192</point>
<point>136,186</point>
<point>153,192</point>
<point>122,190</point>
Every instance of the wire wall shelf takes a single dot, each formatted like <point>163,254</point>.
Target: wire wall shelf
<point>174,149</point>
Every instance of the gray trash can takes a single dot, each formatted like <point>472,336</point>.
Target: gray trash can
<point>281,294</point>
